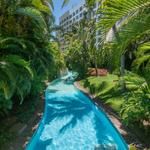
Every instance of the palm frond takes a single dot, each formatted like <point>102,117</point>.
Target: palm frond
<point>142,56</point>
<point>35,14</point>
<point>40,6</point>
<point>119,10</point>
<point>11,66</point>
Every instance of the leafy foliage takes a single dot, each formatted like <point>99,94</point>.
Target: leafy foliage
<point>82,52</point>
<point>121,10</point>
<point>128,22</point>
<point>142,56</point>
<point>26,55</point>
<point>136,108</point>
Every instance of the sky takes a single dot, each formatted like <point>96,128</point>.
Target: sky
<point>58,10</point>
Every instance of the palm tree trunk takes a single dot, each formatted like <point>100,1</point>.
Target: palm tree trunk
<point>122,62</point>
<point>95,64</point>
<point>96,69</point>
<point>122,69</point>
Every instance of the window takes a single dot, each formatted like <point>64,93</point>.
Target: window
<point>74,14</point>
<point>77,11</point>
<point>81,15</point>
<point>77,17</point>
<point>81,8</point>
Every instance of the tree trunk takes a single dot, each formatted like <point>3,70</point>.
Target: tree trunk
<point>122,65</point>
<point>96,69</point>
<point>122,69</point>
<point>122,62</point>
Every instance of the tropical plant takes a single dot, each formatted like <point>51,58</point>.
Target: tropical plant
<point>142,57</point>
<point>136,108</point>
<point>75,58</point>
<point>83,49</point>
<point>26,56</point>
<point>121,12</point>
<point>125,19</point>
<point>58,62</point>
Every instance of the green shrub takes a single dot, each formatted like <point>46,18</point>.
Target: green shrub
<point>136,108</point>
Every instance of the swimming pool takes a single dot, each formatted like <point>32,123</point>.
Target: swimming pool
<point>72,122</point>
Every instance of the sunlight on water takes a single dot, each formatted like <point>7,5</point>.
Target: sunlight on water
<point>72,122</point>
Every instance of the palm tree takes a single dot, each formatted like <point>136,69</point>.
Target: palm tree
<point>83,34</point>
<point>122,16</point>
<point>122,11</point>
<point>78,48</point>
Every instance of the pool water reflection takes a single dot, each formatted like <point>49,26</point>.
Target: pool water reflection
<point>72,122</point>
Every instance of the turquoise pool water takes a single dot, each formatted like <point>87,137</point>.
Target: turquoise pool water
<point>72,122</point>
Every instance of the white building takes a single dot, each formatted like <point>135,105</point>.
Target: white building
<point>66,21</point>
<point>72,16</point>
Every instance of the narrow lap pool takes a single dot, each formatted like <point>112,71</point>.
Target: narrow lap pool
<point>72,122</point>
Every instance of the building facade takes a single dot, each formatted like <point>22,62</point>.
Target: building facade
<point>75,15</point>
<point>67,20</point>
